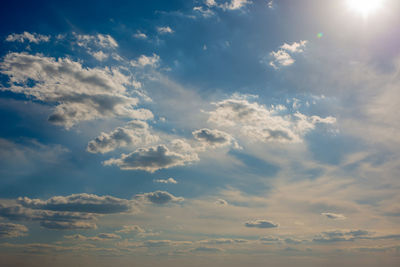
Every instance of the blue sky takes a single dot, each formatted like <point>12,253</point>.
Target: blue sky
<point>191,133</point>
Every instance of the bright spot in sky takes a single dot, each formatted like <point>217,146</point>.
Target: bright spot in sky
<point>365,7</point>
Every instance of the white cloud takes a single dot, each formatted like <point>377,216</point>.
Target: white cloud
<point>10,230</point>
<point>166,181</point>
<point>155,158</point>
<point>263,124</point>
<point>140,35</point>
<point>235,4</point>
<point>260,224</point>
<point>26,36</point>
<point>159,197</point>
<point>99,40</point>
<point>143,61</point>
<point>165,30</point>
<point>133,134</point>
<point>100,55</point>
<point>283,57</point>
<point>333,216</point>
<point>80,94</point>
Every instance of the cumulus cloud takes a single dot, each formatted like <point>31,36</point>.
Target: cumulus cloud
<point>206,9</point>
<point>333,216</point>
<point>99,40</point>
<point>263,124</point>
<point>152,159</point>
<point>221,202</point>
<point>49,219</point>
<point>165,30</point>
<point>89,203</point>
<point>213,138</point>
<point>79,93</point>
<point>159,197</point>
<point>283,56</point>
<point>72,225</point>
<point>98,237</point>
<point>341,236</point>
<point>234,4</point>
<point>99,55</point>
<point>261,224</point>
<point>133,134</point>
<point>166,181</point>
<point>143,61</point>
<point>131,229</point>
<point>10,230</point>
<point>29,37</point>
<point>140,35</point>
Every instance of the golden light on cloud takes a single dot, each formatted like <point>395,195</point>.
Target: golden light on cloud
<point>365,7</point>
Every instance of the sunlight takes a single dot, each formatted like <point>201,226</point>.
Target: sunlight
<point>365,7</point>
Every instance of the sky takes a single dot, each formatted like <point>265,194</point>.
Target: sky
<point>200,132</point>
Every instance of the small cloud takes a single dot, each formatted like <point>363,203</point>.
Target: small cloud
<point>207,250</point>
<point>159,197</point>
<point>261,224</point>
<point>100,55</point>
<point>140,35</point>
<point>221,202</point>
<point>29,37</point>
<point>333,216</point>
<point>283,57</point>
<point>143,61</point>
<point>152,159</point>
<point>165,30</point>
<point>131,229</point>
<point>271,4</point>
<point>166,181</point>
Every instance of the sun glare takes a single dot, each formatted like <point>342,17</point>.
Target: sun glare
<point>365,7</point>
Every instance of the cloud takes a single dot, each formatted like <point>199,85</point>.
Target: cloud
<point>98,237</point>
<point>234,4</point>
<point>131,229</point>
<point>207,250</point>
<point>333,216</point>
<point>89,203</point>
<point>213,138</point>
<point>166,181</point>
<point>283,57</point>
<point>49,219</point>
<point>79,93</point>
<point>152,159</point>
<point>159,197</point>
<point>73,225</point>
<point>11,230</point>
<point>140,35</point>
<point>29,37</point>
<point>269,239</point>
<point>100,55</point>
<point>341,236</point>
<point>260,224</point>
<point>134,133</point>
<point>165,30</point>
<point>263,124</point>
<point>206,9</point>
<point>99,40</point>
<point>143,61</point>
<point>221,202</point>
